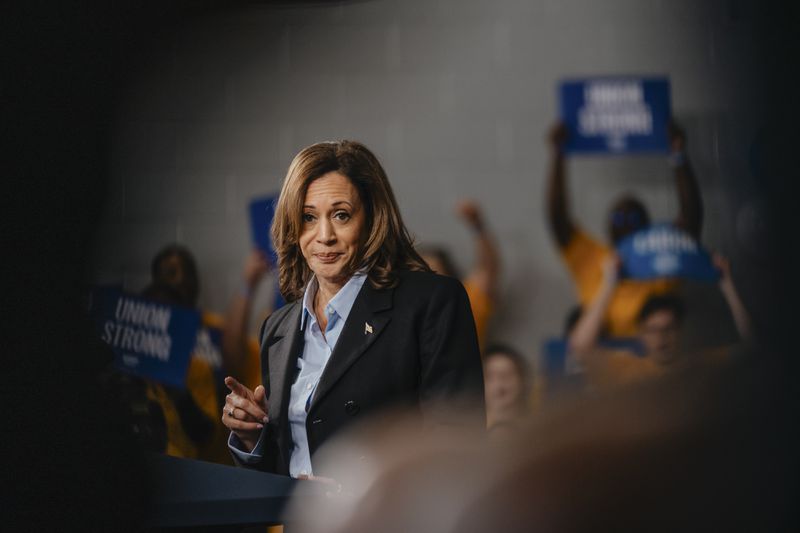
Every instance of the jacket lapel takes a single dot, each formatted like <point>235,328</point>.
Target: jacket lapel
<point>367,319</point>
<point>282,354</point>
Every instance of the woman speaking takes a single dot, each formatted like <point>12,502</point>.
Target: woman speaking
<point>369,325</point>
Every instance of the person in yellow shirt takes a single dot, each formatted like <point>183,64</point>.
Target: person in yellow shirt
<point>659,333</point>
<point>584,254</point>
<point>191,415</point>
<point>481,282</point>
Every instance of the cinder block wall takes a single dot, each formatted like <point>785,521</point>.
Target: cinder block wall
<point>454,97</point>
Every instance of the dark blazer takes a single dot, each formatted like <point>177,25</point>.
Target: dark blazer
<point>421,354</point>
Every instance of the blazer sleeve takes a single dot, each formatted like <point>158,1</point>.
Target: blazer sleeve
<point>266,445</point>
<point>451,373</point>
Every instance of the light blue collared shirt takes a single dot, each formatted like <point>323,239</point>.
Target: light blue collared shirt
<point>317,350</point>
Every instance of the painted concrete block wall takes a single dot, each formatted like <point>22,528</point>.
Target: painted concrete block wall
<point>454,97</point>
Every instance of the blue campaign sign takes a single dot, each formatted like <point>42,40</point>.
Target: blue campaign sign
<point>664,251</point>
<point>616,115</point>
<point>262,211</point>
<point>209,347</point>
<point>149,339</point>
<point>278,301</point>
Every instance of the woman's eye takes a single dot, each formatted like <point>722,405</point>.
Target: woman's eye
<point>342,215</point>
<point>308,217</point>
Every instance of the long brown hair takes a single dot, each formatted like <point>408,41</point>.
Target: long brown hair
<point>387,245</point>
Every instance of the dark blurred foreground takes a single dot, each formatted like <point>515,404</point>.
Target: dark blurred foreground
<point>712,450</point>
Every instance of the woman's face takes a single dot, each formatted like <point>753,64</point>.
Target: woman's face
<point>333,227</point>
<point>502,383</point>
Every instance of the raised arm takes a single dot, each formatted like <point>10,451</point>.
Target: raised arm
<point>235,335</point>
<point>558,216</point>
<point>740,315</point>
<point>486,272</point>
<point>690,218</point>
<point>585,334</point>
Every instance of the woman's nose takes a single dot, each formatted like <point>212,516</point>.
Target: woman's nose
<point>326,233</point>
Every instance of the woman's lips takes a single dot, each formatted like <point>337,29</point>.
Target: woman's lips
<point>327,258</point>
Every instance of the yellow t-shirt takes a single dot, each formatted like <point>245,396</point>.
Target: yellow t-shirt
<point>201,382</point>
<point>610,368</point>
<point>584,258</point>
<point>482,309</point>
<point>614,368</point>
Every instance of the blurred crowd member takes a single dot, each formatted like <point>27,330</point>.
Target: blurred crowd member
<point>240,348</point>
<point>659,332</point>
<point>507,385</point>
<point>481,282</point>
<point>193,428</point>
<point>584,254</point>
<point>707,450</point>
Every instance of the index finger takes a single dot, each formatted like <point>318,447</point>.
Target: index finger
<point>237,388</point>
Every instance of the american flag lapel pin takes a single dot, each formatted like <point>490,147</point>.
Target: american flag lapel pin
<point>367,328</point>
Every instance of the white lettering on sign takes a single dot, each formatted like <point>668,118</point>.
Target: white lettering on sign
<point>615,108</point>
<point>665,240</point>
<point>613,93</point>
<point>206,350</point>
<point>137,340</point>
<point>140,327</point>
<point>592,121</point>
<point>143,314</point>
<point>666,263</point>
<point>133,339</point>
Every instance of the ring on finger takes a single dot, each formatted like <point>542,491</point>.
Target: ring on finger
<point>230,413</point>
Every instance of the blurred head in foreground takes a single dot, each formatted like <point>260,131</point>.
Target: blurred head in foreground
<point>696,452</point>
<point>506,382</point>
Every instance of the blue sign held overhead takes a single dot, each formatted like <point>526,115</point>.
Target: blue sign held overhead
<point>149,339</point>
<point>665,251</point>
<point>616,115</point>
<point>262,211</point>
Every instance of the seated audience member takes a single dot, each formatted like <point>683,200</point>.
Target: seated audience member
<point>507,387</point>
<point>584,254</point>
<point>659,322</point>
<point>481,282</point>
<point>193,428</point>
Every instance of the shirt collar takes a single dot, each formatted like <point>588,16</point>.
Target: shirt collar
<point>341,303</point>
